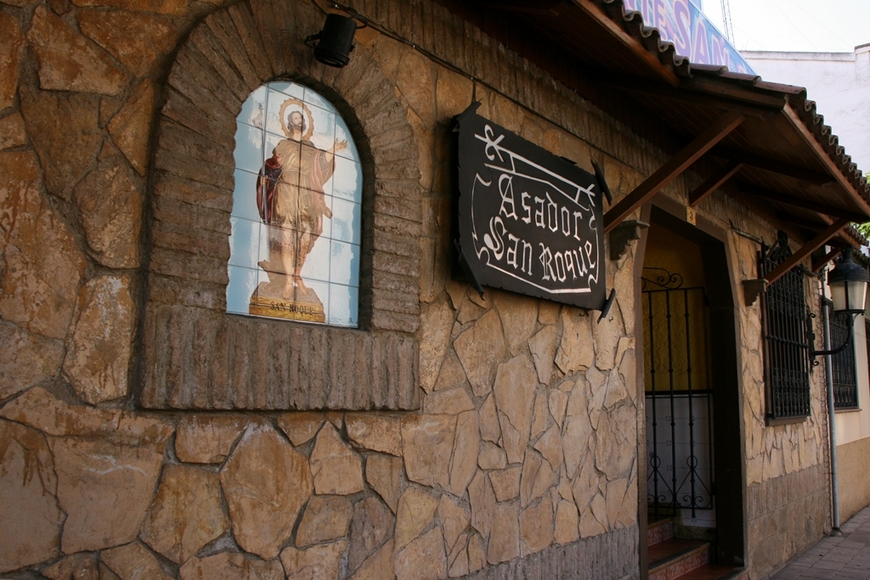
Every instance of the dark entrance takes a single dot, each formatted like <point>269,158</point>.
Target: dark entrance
<point>693,443</point>
<point>680,476</point>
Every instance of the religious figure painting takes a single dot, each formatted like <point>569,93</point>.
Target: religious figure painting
<point>296,210</point>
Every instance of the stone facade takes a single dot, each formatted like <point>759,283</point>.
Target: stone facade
<point>453,435</point>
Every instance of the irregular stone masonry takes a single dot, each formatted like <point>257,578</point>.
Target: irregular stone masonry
<point>523,461</point>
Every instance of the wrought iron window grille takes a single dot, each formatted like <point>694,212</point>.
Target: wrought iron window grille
<point>845,379</point>
<point>787,330</point>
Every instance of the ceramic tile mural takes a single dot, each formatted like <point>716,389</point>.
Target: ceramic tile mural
<point>295,243</point>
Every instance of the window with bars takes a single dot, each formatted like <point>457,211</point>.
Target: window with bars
<point>845,378</point>
<point>786,327</point>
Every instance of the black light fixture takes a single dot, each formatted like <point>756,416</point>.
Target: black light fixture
<point>848,283</point>
<point>333,44</point>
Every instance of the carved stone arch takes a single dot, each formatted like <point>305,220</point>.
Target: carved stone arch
<point>195,355</point>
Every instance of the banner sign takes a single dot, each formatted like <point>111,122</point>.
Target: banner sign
<point>529,221</point>
<point>694,37</point>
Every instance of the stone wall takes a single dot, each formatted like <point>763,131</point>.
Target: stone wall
<point>787,515</point>
<point>520,456</point>
<point>787,501</point>
<point>510,445</point>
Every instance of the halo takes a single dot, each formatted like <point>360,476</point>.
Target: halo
<point>305,111</point>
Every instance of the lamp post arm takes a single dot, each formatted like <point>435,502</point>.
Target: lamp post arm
<point>843,346</point>
<point>834,351</point>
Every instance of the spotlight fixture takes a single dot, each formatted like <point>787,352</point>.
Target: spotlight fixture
<point>333,44</point>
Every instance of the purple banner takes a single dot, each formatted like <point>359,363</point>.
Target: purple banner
<point>694,37</point>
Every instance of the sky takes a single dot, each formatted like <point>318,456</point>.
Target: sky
<point>795,25</point>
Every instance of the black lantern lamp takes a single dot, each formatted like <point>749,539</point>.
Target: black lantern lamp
<point>333,44</point>
<point>848,283</point>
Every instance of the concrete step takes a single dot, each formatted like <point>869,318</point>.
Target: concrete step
<point>660,530</point>
<point>715,572</point>
<point>673,558</point>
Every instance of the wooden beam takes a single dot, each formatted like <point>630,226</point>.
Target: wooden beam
<point>800,173</point>
<point>823,156</point>
<point>685,97</point>
<point>805,251</point>
<point>714,183</point>
<point>672,169</point>
<point>817,264</point>
<point>653,64</point>
<point>815,206</point>
<point>728,89</point>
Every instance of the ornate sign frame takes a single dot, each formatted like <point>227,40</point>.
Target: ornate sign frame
<point>529,222</point>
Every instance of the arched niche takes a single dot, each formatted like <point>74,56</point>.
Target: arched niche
<point>195,355</point>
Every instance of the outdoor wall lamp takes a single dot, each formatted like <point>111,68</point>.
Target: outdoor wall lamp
<point>848,283</point>
<point>333,44</point>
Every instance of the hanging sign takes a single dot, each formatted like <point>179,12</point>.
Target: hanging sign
<point>529,221</point>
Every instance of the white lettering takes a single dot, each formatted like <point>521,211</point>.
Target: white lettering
<point>524,197</point>
<point>506,189</point>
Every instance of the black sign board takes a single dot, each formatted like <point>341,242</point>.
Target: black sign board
<point>529,221</point>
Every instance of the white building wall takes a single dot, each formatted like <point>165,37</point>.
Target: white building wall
<point>839,83</point>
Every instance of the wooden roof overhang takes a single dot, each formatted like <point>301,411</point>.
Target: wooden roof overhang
<point>761,142</point>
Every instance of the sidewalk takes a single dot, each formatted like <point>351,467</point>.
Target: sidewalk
<point>845,557</point>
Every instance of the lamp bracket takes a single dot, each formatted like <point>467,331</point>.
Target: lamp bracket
<point>752,289</point>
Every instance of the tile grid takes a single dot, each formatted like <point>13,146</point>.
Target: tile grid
<point>263,97</point>
<point>844,557</point>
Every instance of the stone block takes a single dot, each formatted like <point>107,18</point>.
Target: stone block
<point>130,128</point>
<point>537,527</point>
<point>383,473</point>
<point>315,562</point>
<point>326,518</point>
<point>504,542</point>
<point>28,359</point>
<point>231,566</point>
<point>89,475</point>
<point>80,566</point>
<point>334,465</point>
<point>372,524</point>
<point>110,203</point>
<point>575,351</point>
<point>482,498</point>
<point>301,427</point>
<point>416,511</point>
<point>428,445</point>
<point>448,402</point>
<point>31,524</point>
<point>480,349</point>
<point>154,36</point>
<point>514,390</point>
<point>466,443</point>
<point>39,409</point>
<point>11,49</point>
<point>69,61</point>
<point>186,513</point>
<point>64,131</point>
<point>265,482</point>
<point>422,559</point>
<point>43,265</point>
<point>131,562</point>
<point>98,353</point>
<point>506,483</point>
<point>375,432</point>
<point>12,131</point>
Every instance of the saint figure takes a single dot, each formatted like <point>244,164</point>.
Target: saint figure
<point>290,200</point>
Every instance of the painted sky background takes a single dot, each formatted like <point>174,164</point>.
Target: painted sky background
<point>795,25</point>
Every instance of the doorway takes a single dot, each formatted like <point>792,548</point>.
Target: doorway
<point>693,441</point>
